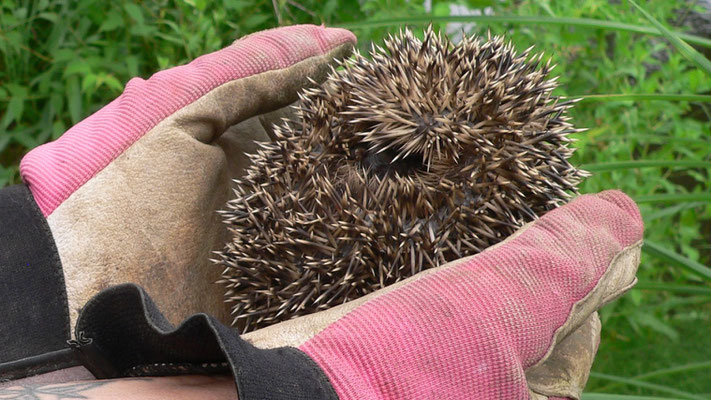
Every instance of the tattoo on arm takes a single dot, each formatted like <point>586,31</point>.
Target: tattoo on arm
<point>74,390</point>
<point>62,391</point>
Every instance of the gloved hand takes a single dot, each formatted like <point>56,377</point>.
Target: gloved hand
<point>516,321</point>
<point>519,318</point>
<point>130,194</point>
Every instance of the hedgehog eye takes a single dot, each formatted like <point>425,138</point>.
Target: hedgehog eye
<point>383,163</point>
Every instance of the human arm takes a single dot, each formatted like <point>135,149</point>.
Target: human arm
<point>186,387</point>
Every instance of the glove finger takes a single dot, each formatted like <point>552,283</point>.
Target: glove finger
<point>565,371</point>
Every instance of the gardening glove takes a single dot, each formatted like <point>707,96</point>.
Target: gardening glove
<point>130,194</point>
<point>517,321</point>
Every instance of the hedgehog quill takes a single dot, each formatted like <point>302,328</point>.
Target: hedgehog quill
<point>427,152</point>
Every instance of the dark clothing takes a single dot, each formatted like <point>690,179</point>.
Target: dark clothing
<point>34,316</point>
<point>120,332</point>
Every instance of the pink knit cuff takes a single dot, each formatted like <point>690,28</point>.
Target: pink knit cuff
<point>56,170</point>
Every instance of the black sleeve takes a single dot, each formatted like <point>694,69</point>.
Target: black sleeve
<point>121,333</point>
<point>34,316</point>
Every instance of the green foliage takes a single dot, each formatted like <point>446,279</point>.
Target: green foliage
<point>684,48</point>
<point>646,105</point>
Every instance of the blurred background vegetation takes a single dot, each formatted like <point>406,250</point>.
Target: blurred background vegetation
<point>647,105</point>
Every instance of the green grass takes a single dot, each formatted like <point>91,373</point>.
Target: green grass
<point>645,99</point>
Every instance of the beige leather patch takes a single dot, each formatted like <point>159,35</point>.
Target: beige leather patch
<point>150,216</point>
<point>566,370</point>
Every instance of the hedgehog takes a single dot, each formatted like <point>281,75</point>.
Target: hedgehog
<point>423,153</point>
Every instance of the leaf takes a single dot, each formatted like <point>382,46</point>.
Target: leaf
<point>58,129</point>
<point>329,8</point>
<point>677,369</point>
<point>112,82</point>
<point>657,325</point>
<point>4,141</point>
<point>77,67</point>
<point>49,16</point>
<point>74,98</point>
<point>652,138</point>
<point>142,30</point>
<point>635,164</point>
<point>441,9</point>
<point>169,38</point>
<point>672,197</point>
<point>132,65</point>
<point>661,252</point>
<point>517,19</point>
<point>605,396</point>
<point>645,97</point>
<point>21,13</point>
<point>673,288</point>
<point>479,3</point>
<point>172,25</point>
<point>675,209</point>
<point>201,4</point>
<point>113,21</point>
<point>62,55</point>
<point>14,110</point>
<point>56,100</point>
<point>135,12</point>
<point>89,82</point>
<point>235,5</point>
<point>25,137</point>
<point>646,385</point>
<point>16,105</point>
<point>546,7</point>
<point>6,174</point>
<point>255,20</point>
<point>687,51</point>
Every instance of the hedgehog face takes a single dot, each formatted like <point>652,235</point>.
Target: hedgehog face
<point>425,153</point>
